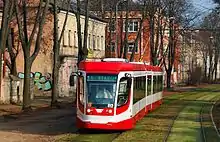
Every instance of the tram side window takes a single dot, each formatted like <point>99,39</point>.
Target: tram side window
<point>81,89</point>
<point>160,83</point>
<point>123,94</point>
<point>154,84</point>
<point>139,88</point>
<point>149,85</point>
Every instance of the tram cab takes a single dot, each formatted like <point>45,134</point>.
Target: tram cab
<point>105,95</point>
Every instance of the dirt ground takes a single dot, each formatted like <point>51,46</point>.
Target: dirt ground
<point>44,124</point>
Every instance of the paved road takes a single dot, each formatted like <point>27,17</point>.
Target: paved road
<point>42,126</point>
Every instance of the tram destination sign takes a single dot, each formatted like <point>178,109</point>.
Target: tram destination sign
<point>106,78</point>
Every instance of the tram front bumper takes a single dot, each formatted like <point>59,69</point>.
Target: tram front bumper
<point>122,125</point>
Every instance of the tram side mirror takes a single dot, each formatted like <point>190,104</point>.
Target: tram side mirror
<point>73,77</point>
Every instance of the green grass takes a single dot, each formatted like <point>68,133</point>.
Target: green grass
<point>187,127</point>
<point>89,137</point>
<point>66,138</point>
<point>153,127</point>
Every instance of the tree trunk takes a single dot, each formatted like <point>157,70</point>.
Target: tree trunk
<point>55,75</point>
<point>80,48</point>
<point>126,33</point>
<point>205,71</point>
<point>26,91</point>
<point>6,17</point>
<point>152,37</point>
<point>121,35</point>
<point>10,46</point>
<point>110,36</point>
<point>14,67</point>
<point>169,78</point>
<point>215,74</point>
<point>85,49</point>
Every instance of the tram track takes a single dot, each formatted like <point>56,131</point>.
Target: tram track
<point>203,135</point>
<point>185,102</point>
<point>205,116</point>
<point>171,125</point>
<point>201,115</point>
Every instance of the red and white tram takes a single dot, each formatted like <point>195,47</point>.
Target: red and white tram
<point>114,94</point>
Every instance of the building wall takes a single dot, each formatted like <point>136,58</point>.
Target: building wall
<point>69,47</point>
<point>95,39</point>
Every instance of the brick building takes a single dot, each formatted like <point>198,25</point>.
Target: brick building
<point>142,52</point>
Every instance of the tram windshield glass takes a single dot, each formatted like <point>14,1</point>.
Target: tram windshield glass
<point>101,90</point>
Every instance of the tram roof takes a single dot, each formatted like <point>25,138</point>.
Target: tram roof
<point>115,66</point>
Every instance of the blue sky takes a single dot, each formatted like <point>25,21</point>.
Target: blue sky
<point>203,5</point>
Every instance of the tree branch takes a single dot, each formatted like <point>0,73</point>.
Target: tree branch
<point>36,22</point>
<point>20,29</point>
<point>64,24</point>
<point>39,35</point>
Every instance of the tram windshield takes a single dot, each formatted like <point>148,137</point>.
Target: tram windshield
<point>101,90</point>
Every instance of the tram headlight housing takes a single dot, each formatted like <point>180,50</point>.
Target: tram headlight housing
<point>110,111</point>
<point>88,110</point>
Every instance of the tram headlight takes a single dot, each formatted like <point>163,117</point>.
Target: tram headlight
<point>110,111</point>
<point>88,110</point>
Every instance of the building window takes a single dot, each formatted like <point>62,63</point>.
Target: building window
<point>88,44</point>
<point>112,47</point>
<point>133,26</point>
<point>71,38</point>
<point>131,46</point>
<point>94,43</point>
<point>66,38</point>
<point>91,42</point>
<point>98,42</point>
<point>102,43</point>
<point>75,39</point>
<point>82,36</point>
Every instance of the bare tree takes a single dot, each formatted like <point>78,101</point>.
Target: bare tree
<point>82,50</point>
<point>212,53</point>
<point>27,41</point>
<point>126,32</point>
<point>56,47</point>
<point>8,7</point>
<point>13,52</point>
<point>144,16</point>
<point>175,11</point>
